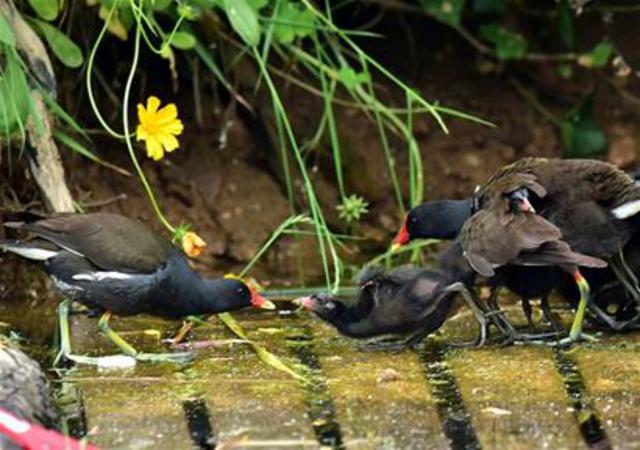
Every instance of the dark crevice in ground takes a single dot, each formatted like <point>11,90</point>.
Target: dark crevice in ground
<point>198,419</point>
<point>581,401</point>
<point>455,419</point>
<point>322,410</point>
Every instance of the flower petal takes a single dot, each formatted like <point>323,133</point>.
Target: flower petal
<point>141,133</point>
<point>154,149</point>
<point>167,114</point>
<point>176,127</point>
<point>142,114</point>
<point>169,142</point>
<point>153,103</point>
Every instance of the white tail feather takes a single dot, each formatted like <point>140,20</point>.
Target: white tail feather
<point>627,210</point>
<point>33,253</point>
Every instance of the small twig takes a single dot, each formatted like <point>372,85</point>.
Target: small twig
<point>105,202</point>
<point>628,97</point>
<point>534,102</point>
<point>107,89</point>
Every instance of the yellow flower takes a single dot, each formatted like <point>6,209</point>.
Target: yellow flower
<point>192,244</point>
<point>158,127</point>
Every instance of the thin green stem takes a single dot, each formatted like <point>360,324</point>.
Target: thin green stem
<point>90,64</point>
<point>125,124</point>
<point>282,229</point>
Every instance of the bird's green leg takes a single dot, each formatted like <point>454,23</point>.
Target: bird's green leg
<point>65,339</point>
<point>103,324</point>
<point>576,334</point>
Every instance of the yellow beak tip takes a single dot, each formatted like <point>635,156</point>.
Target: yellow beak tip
<point>269,305</point>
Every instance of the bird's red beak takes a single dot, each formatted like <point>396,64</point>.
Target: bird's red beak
<point>258,301</point>
<point>401,238</point>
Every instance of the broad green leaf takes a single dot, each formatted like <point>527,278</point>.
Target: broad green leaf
<point>183,40</point>
<point>122,18</point>
<point>257,5</point>
<point>486,6</point>
<point>64,48</point>
<point>448,11</point>
<point>292,20</point>
<point>15,97</point>
<point>6,33</point>
<point>46,9</point>
<point>581,134</point>
<point>598,57</point>
<point>508,45</point>
<point>565,24</point>
<point>244,21</point>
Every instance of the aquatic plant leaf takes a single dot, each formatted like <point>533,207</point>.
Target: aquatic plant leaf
<point>64,48</point>
<point>507,44</point>
<point>244,21</point>
<point>46,9</point>
<point>265,355</point>
<point>448,11</point>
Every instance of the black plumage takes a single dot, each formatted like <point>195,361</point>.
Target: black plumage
<point>119,266</point>
<point>404,301</point>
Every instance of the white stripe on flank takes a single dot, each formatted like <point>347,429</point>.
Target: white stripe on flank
<point>101,276</point>
<point>33,253</point>
<point>627,210</point>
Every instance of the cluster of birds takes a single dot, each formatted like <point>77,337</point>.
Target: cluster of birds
<point>535,226</point>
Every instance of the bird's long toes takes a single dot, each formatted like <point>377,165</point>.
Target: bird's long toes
<point>176,358</point>
<point>567,341</point>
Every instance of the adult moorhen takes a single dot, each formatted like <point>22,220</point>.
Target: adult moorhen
<point>404,301</point>
<point>502,235</point>
<point>119,266</point>
<point>593,203</point>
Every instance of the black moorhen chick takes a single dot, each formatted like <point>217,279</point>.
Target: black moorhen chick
<point>404,301</point>
<point>119,266</point>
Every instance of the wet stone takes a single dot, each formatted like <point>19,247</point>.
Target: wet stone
<point>516,398</point>
<point>376,410</point>
<point>611,375</point>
